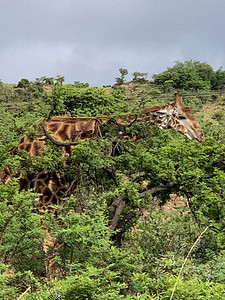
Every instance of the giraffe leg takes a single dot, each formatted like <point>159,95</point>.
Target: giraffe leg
<point>51,249</point>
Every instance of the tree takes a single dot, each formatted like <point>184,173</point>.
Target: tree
<point>59,79</point>
<point>79,84</point>
<point>188,75</point>
<point>48,80</point>
<point>120,80</point>
<point>218,82</point>
<point>140,77</point>
<point>23,83</point>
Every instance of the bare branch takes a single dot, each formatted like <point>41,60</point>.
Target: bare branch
<point>116,210</point>
<point>122,225</point>
<point>153,190</point>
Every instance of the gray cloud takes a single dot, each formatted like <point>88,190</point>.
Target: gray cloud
<point>90,40</point>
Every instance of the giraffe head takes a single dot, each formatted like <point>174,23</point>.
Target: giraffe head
<point>184,121</point>
<point>179,117</point>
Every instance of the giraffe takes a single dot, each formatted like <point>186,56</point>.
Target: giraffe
<point>66,132</point>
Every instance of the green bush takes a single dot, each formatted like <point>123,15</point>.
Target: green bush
<point>188,75</point>
<point>86,101</point>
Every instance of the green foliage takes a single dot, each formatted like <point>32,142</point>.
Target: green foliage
<point>189,75</point>
<point>109,170</point>
<point>28,91</point>
<point>79,84</point>
<point>93,283</point>
<point>20,232</point>
<point>86,239</point>
<point>219,79</point>
<point>85,101</point>
<point>219,116</point>
<point>194,289</point>
<point>6,93</point>
<point>8,132</point>
<point>46,80</point>
<point>139,77</point>
<point>23,83</point>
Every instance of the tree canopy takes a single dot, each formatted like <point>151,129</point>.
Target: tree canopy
<point>191,75</point>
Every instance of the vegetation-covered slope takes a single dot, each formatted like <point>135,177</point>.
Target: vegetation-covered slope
<point>178,187</point>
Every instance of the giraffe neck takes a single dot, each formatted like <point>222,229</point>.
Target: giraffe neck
<point>161,116</point>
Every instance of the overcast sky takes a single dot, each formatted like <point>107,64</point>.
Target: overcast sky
<point>89,40</point>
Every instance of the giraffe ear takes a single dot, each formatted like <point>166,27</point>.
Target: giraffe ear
<point>178,100</point>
